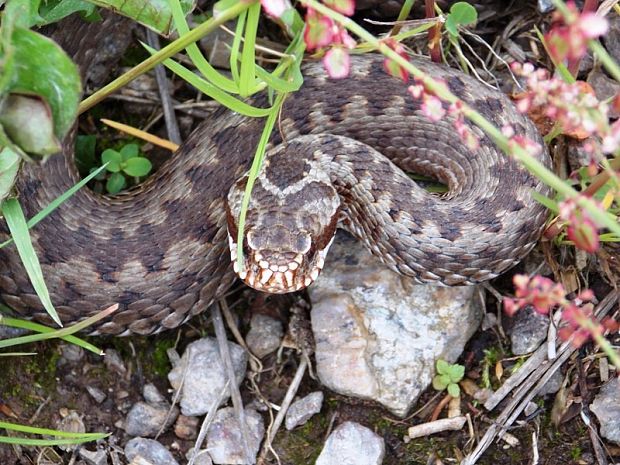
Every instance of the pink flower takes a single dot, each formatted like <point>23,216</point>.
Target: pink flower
<point>319,30</point>
<point>337,63</point>
<point>275,8</point>
<point>346,7</point>
<point>432,107</point>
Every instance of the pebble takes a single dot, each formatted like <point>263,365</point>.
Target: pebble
<point>114,362</point>
<point>71,352</point>
<point>606,407</point>
<point>264,336</point>
<point>352,444</point>
<point>150,450</point>
<point>224,436</point>
<point>378,334</point>
<point>146,420</point>
<point>186,427</point>
<point>97,394</point>
<point>203,457</point>
<point>303,409</point>
<point>529,330</point>
<point>152,395</point>
<point>206,376</point>
<point>98,457</point>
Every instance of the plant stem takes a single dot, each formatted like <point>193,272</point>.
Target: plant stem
<point>166,52</point>
<point>528,161</point>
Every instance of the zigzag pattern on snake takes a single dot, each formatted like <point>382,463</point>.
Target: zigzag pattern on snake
<point>161,251</point>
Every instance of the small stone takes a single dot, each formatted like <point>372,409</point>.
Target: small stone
<point>606,407</point>
<point>553,385</point>
<point>203,457</point>
<point>146,420</point>
<point>71,423</point>
<point>605,88</point>
<point>206,376</point>
<point>114,362</point>
<point>612,38</point>
<point>72,353</point>
<point>303,409</point>
<point>352,444</point>
<point>378,334</point>
<point>529,330</point>
<point>98,457</point>
<point>97,394</point>
<point>186,427</point>
<point>264,336</point>
<point>224,436</point>
<point>150,450</point>
<point>152,395</point>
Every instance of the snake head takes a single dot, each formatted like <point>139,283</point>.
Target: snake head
<point>287,234</point>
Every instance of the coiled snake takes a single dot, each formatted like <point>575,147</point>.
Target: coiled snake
<point>162,252</point>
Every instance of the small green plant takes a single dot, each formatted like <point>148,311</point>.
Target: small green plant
<point>448,376</point>
<point>126,162</point>
<point>461,14</point>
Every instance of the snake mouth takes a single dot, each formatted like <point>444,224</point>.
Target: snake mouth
<point>262,273</point>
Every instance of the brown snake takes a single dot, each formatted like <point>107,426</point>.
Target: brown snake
<point>161,251</point>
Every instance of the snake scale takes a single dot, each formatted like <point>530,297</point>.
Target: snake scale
<point>161,251</point>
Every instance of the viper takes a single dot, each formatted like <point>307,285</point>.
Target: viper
<point>339,157</point>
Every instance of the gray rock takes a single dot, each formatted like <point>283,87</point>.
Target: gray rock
<point>206,376</point>
<point>352,444</point>
<point>150,450</point>
<point>97,394</point>
<point>604,87</point>
<point>612,38</point>
<point>202,458</point>
<point>151,394</point>
<point>303,409</point>
<point>72,353</point>
<point>529,330</point>
<point>553,385</point>
<point>264,336</point>
<point>606,407</point>
<point>378,334</point>
<point>114,362</point>
<point>224,436</point>
<point>98,457</point>
<point>146,419</point>
<point>186,427</point>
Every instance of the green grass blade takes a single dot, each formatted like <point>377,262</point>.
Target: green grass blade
<point>235,48</point>
<point>59,200</point>
<point>248,53</point>
<point>194,53</point>
<point>49,442</point>
<point>18,227</point>
<point>50,432</point>
<point>209,89</point>
<point>45,333</point>
<point>254,169</point>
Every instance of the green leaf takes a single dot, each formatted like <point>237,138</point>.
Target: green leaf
<point>113,159</point>
<point>116,183</point>
<point>137,166</point>
<point>16,222</point>
<point>154,14</point>
<point>9,165</point>
<point>42,68</point>
<point>440,382</point>
<point>129,151</point>
<point>551,204</point>
<point>454,390</point>
<point>461,14</point>
<point>442,367</point>
<point>456,372</point>
<point>54,10</point>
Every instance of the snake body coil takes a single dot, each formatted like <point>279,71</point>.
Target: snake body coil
<point>162,252</point>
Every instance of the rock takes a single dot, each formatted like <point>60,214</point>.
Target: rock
<point>352,444</point>
<point>203,457</point>
<point>604,87</point>
<point>114,362</point>
<point>152,395</point>
<point>553,385</point>
<point>98,457</point>
<point>206,376</point>
<point>264,336</point>
<point>606,407</point>
<point>146,420</point>
<point>186,427</point>
<point>303,409</point>
<point>72,353</point>
<point>529,330</point>
<point>97,394</point>
<point>71,422</point>
<point>378,334</point>
<point>224,436</point>
<point>612,38</point>
<point>150,450</point>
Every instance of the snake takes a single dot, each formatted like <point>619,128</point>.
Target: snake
<point>339,157</point>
